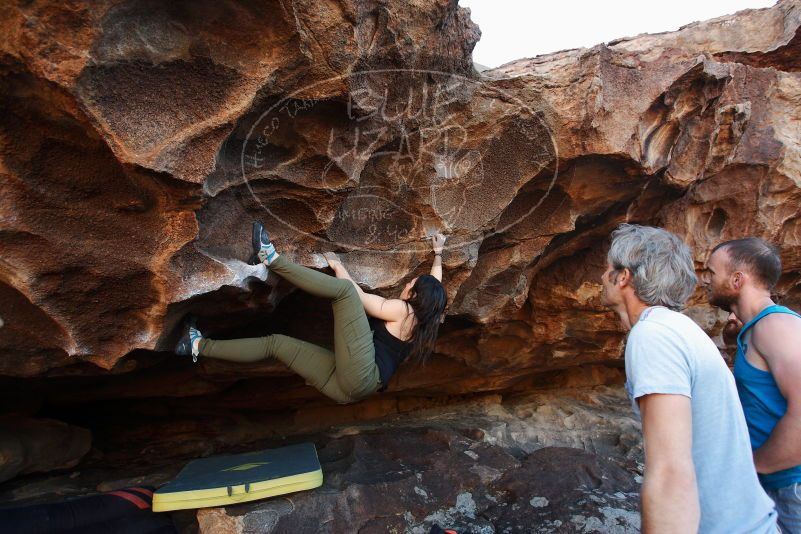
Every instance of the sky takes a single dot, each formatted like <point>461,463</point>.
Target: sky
<point>514,29</point>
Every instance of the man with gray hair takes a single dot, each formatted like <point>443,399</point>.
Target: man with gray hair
<point>699,475</point>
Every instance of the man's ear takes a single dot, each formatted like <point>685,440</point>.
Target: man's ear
<point>737,279</point>
<point>624,278</point>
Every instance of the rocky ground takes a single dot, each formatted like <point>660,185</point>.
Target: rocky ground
<point>566,462</point>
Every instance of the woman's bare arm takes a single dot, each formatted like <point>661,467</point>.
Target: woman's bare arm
<point>339,270</point>
<point>375,305</point>
<point>437,242</point>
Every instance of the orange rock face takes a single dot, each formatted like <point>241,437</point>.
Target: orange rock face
<point>139,141</point>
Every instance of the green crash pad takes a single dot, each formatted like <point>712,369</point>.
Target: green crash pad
<point>230,479</point>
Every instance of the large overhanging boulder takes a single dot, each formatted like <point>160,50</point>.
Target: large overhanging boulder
<point>140,139</point>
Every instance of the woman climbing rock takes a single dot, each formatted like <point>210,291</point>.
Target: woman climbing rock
<point>372,335</point>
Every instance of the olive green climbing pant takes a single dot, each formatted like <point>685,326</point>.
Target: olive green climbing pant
<point>346,375</point>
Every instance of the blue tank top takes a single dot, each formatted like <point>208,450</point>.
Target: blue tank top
<point>763,402</point>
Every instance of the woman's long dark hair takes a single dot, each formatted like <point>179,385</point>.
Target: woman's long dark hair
<point>428,300</point>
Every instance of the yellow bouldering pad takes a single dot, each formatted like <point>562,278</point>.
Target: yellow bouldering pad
<point>235,478</point>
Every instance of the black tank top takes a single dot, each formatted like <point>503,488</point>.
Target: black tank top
<point>389,350</point>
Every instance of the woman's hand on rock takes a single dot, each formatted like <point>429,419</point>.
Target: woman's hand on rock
<point>438,241</point>
<point>333,260</point>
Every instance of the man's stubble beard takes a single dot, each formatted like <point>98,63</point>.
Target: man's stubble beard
<point>721,300</point>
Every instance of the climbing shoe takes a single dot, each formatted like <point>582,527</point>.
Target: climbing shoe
<point>263,249</point>
<point>186,346</point>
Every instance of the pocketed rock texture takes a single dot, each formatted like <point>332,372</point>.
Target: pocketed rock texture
<point>140,139</point>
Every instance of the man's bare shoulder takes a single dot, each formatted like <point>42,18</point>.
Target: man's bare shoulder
<point>776,324</point>
<point>775,331</point>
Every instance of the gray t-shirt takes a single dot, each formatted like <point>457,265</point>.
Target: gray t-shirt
<point>668,353</point>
